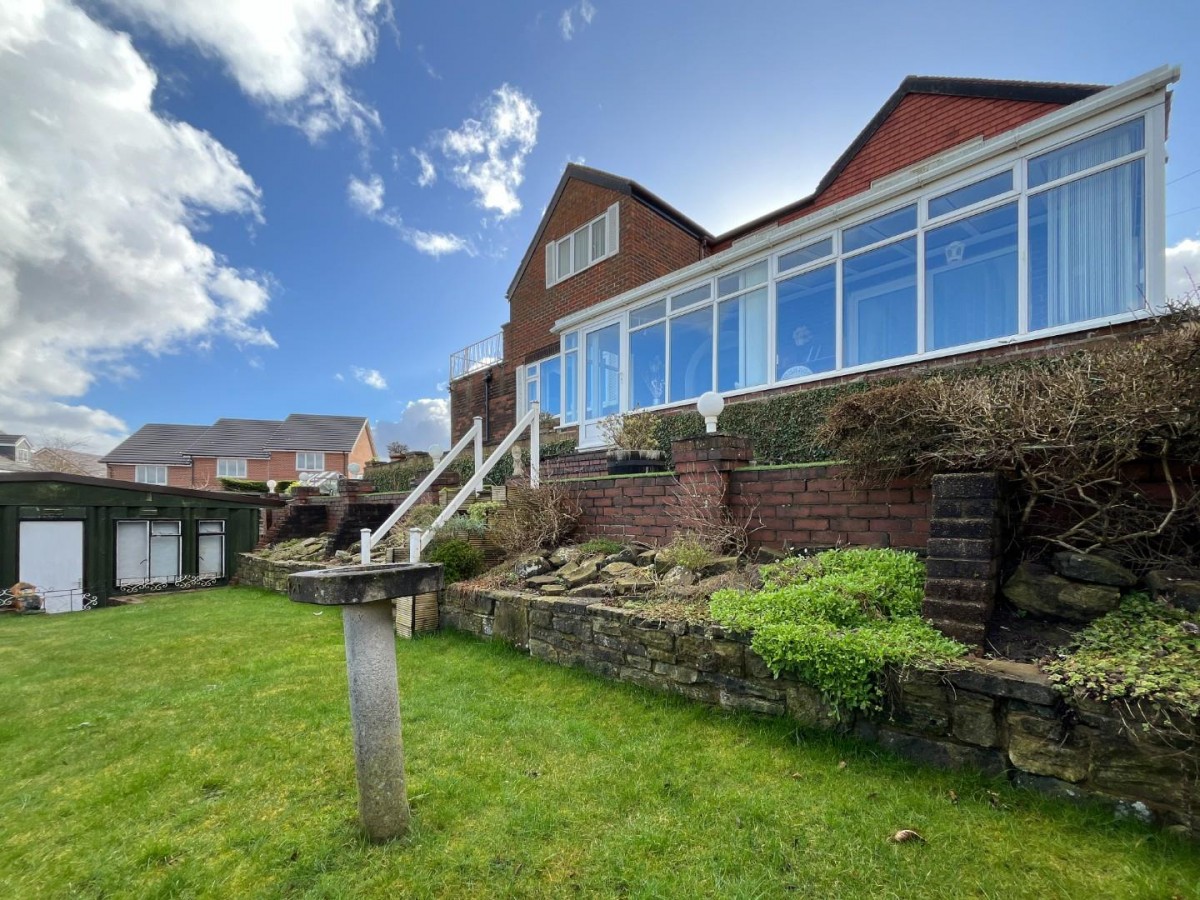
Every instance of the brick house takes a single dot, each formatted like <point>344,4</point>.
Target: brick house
<point>255,449</point>
<point>970,219</point>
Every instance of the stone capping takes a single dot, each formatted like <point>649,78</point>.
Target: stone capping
<point>998,717</point>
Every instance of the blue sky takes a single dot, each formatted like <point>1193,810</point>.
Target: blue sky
<point>225,214</point>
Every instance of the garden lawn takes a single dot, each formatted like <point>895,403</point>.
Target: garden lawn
<point>198,745</point>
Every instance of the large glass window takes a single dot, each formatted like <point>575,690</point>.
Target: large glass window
<point>963,197</point>
<point>603,377</point>
<point>648,365</point>
<point>806,324</point>
<point>211,548</point>
<point>551,385</point>
<point>1110,144</point>
<point>147,552</point>
<point>794,259</point>
<point>581,248</point>
<point>231,468</point>
<point>571,378</point>
<point>691,337</point>
<point>150,474</point>
<point>879,229</point>
<point>310,461</point>
<point>1087,248</point>
<point>879,291</point>
<point>742,328</point>
<point>971,279</point>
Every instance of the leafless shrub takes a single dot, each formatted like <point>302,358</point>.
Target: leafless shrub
<point>702,514</point>
<point>535,518</point>
<point>1075,436</point>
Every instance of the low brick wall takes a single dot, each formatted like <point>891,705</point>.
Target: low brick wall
<point>1001,718</point>
<point>254,571</point>
<point>581,464</point>
<point>627,507</point>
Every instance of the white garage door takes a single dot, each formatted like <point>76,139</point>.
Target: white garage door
<point>52,559</point>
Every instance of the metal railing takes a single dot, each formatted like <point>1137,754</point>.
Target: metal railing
<point>477,356</point>
<point>419,538</point>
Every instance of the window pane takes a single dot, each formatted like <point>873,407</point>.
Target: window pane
<point>691,354</point>
<point>212,526</point>
<point>749,277</point>
<point>531,386</point>
<point>971,279</point>
<point>806,324</point>
<point>796,258</point>
<point>571,340</point>
<point>564,258</point>
<point>164,559</point>
<point>879,228</point>
<point>598,232</point>
<point>742,341</point>
<point>1092,151</point>
<point>880,295</point>
<point>571,387</point>
<point>164,527</point>
<point>649,313</point>
<point>581,249</point>
<point>1087,248</point>
<point>692,297</point>
<point>211,562</point>
<point>603,384</point>
<point>551,379</point>
<point>971,194</point>
<point>133,556</point>
<point>647,362</point>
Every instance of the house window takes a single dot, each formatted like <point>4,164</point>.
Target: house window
<point>583,247</point>
<point>806,323</point>
<point>23,455</point>
<point>742,328</point>
<point>543,384</point>
<point>570,356</point>
<point>147,552</point>
<point>150,474</point>
<point>231,468</point>
<point>310,461</point>
<point>210,539</point>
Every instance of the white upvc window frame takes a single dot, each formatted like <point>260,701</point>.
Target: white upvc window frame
<point>239,467</point>
<point>318,456</point>
<point>212,532</point>
<point>608,223</point>
<point>1151,108</point>
<point>141,471</point>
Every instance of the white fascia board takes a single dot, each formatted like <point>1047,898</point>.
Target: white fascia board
<point>895,185</point>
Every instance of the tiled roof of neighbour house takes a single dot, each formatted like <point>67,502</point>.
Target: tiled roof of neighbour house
<point>156,444</point>
<point>613,183</point>
<point>309,432</point>
<point>10,438</point>
<point>983,88</point>
<point>70,462</point>
<point>242,438</point>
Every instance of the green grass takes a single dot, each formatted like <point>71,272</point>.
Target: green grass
<point>198,746</point>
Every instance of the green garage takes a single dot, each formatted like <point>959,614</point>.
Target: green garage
<point>70,542</point>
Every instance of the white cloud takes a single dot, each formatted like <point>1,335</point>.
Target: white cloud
<point>1183,269</point>
<point>422,423</point>
<point>428,174</point>
<point>101,204</point>
<point>566,22</point>
<point>292,56</point>
<point>369,377</point>
<point>487,155</point>
<point>366,196</point>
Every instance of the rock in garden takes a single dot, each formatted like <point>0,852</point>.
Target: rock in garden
<point>646,557</point>
<point>552,589</point>
<point>679,577</point>
<point>564,555</point>
<point>1092,569</point>
<point>720,566</point>
<point>542,580</point>
<point>624,555</point>
<point>1179,585</point>
<point>575,574</point>
<point>1034,589</point>
<point>619,569</point>
<point>529,566</point>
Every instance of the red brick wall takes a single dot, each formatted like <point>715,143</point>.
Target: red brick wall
<point>204,472</point>
<point>626,508</point>
<point>177,476</point>
<point>282,464</point>
<point>466,402</point>
<point>362,452</point>
<point>923,125</point>
<point>816,506</point>
<point>585,464</point>
<point>649,248</point>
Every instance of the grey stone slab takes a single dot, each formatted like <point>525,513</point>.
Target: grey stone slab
<point>356,585</point>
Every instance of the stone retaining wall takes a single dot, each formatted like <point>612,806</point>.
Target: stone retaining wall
<point>254,571</point>
<point>1001,718</point>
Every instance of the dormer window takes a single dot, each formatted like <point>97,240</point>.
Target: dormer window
<point>583,247</point>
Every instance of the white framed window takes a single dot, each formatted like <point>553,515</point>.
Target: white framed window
<point>24,455</point>
<point>148,552</point>
<point>231,468</point>
<point>543,383</point>
<point>583,247</point>
<point>150,474</point>
<point>1050,237</point>
<point>210,540</point>
<point>310,461</point>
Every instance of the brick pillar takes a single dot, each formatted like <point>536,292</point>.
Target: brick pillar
<point>966,540</point>
<point>702,467</point>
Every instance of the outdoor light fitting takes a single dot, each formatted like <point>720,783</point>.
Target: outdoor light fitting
<point>710,406</point>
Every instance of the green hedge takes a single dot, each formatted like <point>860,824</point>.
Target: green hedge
<point>398,476</point>
<point>246,486</point>
<point>465,465</point>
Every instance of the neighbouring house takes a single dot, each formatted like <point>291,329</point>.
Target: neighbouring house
<point>71,462</point>
<point>16,453</point>
<point>255,449</point>
<point>971,219</point>
<point>79,541</point>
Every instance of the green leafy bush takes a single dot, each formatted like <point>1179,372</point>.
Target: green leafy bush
<point>690,554</point>
<point>465,525</point>
<point>399,476</point>
<point>460,559</point>
<point>478,512</point>
<point>1142,652</point>
<point>421,515</point>
<point>246,486</point>
<point>607,546</point>
<point>837,620</point>
<point>465,465</point>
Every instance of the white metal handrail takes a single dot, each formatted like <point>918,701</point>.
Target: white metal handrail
<point>477,356</point>
<point>419,538</point>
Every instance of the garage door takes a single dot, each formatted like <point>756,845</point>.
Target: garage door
<point>51,558</point>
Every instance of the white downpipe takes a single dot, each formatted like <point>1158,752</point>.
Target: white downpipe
<point>535,448</point>
<point>365,552</point>
<point>419,540</point>
<point>411,500</point>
